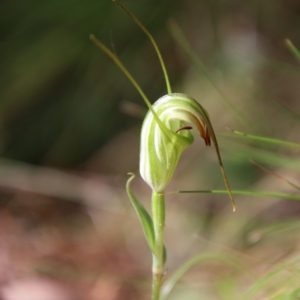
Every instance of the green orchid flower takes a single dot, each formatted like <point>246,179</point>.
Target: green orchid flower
<point>164,136</point>
<point>161,147</point>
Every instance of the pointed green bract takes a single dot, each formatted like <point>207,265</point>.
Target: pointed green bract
<point>143,215</point>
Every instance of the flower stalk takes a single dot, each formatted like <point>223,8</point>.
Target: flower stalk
<point>158,257</point>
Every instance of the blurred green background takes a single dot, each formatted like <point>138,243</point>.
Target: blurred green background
<point>70,122</point>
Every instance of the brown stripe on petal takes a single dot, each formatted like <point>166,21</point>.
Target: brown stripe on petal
<point>204,133</point>
<point>207,137</point>
<point>184,128</point>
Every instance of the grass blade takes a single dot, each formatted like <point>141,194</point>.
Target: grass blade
<point>266,139</point>
<point>178,274</point>
<point>293,49</point>
<point>242,193</point>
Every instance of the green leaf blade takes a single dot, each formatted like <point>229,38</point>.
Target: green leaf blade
<point>145,219</point>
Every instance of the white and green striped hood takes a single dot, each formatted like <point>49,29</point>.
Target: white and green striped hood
<point>163,143</point>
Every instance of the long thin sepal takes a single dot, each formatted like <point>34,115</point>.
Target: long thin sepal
<point>221,164</point>
<point>149,35</point>
<point>116,60</point>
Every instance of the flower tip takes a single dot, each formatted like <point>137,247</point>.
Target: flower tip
<point>204,133</point>
<point>132,175</point>
<point>231,197</point>
<point>233,203</point>
<point>207,140</point>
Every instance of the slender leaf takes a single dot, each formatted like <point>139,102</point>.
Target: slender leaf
<point>143,215</point>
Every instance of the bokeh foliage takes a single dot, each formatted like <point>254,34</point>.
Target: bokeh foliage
<point>60,97</point>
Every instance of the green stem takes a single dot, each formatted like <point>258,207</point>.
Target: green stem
<point>158,214</point>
